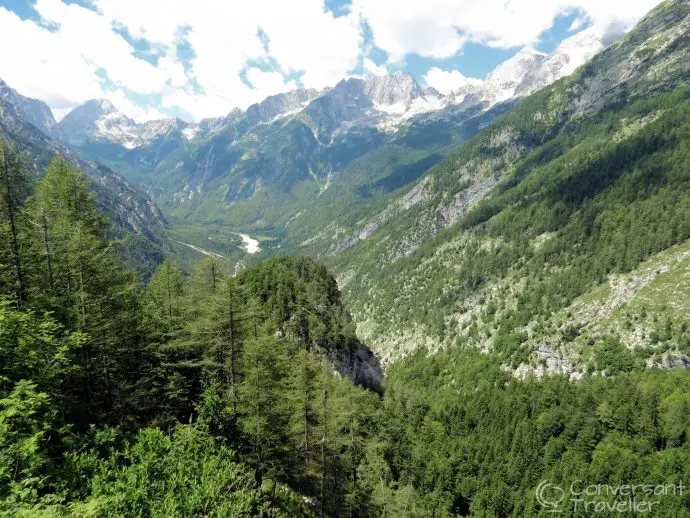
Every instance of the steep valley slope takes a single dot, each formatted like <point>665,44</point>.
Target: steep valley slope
<point>568,193</point>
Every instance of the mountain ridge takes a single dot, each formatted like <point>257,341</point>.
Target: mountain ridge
<point>260,168</point>
<point>128,207</point>
<point>397,88</point>
<point>443,248</point>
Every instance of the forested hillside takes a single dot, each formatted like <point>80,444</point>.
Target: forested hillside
<point>213,395</point>
<point>571,190</point>
<point>529,297</point>
<point>225,383</point>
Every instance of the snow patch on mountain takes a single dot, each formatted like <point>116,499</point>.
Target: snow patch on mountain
<point>404,113</point>
<point>191,132</point>
<point>572,53</point>
<point>151,130</point>
<point>99,120</point>
<point>387,102</point>
<point>502,84</point>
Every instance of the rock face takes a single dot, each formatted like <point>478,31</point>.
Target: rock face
<point>290,148</point>
<point>99,120</point>
<point>280,105</point>
<point>148,132</point>
<point>397,88</point>
<point>360,365</point>
<point>125,205</point>
<point>35,112</point>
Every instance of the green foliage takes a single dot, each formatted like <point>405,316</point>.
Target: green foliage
<point>480,441</point>
<point>26,416</point>
<point>182,474</point>
<point>14,185</point>
<point>612,357</point>
<point>91,364</point>
<point>215,394</point>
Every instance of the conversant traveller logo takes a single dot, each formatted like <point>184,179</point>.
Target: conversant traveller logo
<point>604,498</point>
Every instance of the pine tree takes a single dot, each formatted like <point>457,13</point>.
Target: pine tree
<point>208,276</point>
<point>262,407</point>
<point>304,415</point>
<point>163,303</point>
<point>92,293</point>
<point>165,318</point>
<point>13,190</point>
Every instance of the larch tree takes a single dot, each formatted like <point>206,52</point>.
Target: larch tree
<point>14,185</point>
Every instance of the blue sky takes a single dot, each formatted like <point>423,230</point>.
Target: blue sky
<point>201,58</point>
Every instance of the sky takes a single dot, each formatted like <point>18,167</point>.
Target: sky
<point>202,58</point>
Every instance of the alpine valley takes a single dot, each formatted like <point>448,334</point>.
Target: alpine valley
<point>372,299</point>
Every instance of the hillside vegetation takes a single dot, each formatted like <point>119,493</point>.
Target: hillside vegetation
<point>575,184</point>
<point>213,395</point>
<point>528,296</point>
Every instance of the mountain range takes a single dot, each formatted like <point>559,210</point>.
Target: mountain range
<point>258,168</point>
<point>381,177</point>
<point>504,270</point>
<point>30,127</point>
<point>538,239</point>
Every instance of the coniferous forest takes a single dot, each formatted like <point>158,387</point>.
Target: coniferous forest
<point>370,300</point>
<point>208,394</point>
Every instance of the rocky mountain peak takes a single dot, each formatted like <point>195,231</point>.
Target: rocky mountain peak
<point>281,104</point>
<point>397,88</point>
<point>98,119</point>
<point>509,74</point>
<point>151,130</point>
<point>93,109</point>
<point>568,56</point>
<point>33,111</point>
<point>105,105</point>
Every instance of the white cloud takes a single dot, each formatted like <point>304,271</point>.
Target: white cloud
<point>304,37</point>
<point>373,69</point>
<point>439,28</point>
<point>132,110</point>
<point>174,70</point>
<point>196,105</point>
<point>62,66</point>
<point>268,83</point>
<point>42,65</point>
<point>86,33</point>
<point>224,35</point>
<point>446,81</point>
<point>578,23</point>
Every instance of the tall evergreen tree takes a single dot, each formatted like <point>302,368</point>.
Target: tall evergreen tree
<point>14,184</point>
<point>92,293</point>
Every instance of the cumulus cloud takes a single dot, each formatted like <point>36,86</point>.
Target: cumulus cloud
<point>267,81</point>
<point>75,53</point>
<point>446,81</point>
<point>438,28</point>
<point>305,40</point>
<point>37,64</point>
<point>122,102</point>
<point>373,69</point>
